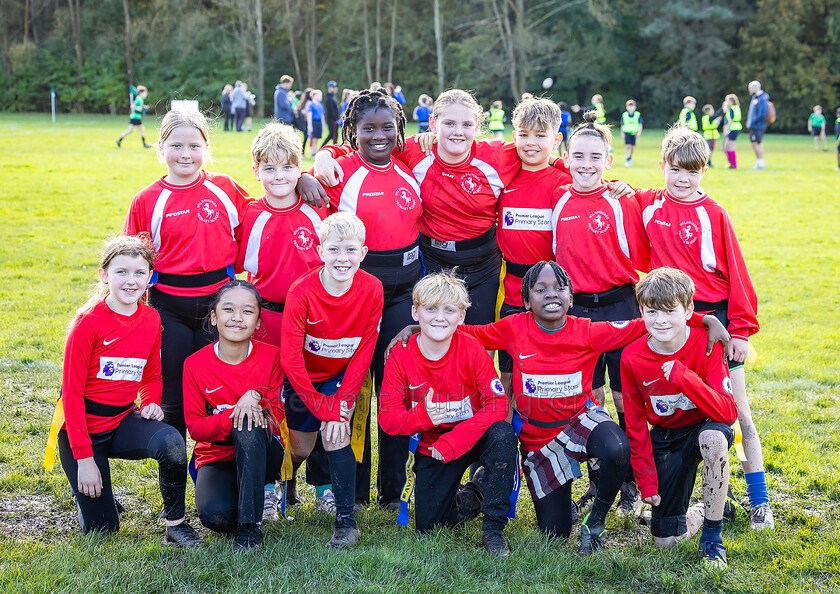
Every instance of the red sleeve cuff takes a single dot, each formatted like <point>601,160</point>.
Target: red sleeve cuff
<point>84,451</point>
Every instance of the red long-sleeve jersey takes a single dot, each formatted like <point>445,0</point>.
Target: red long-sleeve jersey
<point>324,335</point>
<point>276,246</point>
<point>192,227</point>
<point>698,238</point>
<point>110,359</point>
<point>523,228</point>
<point>699,388</point>
<point>598,239</point>
<point>464,378</point>
<point>386,199</point>
<point>212,388</point>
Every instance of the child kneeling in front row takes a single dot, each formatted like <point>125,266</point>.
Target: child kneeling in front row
<point>330,326</point>
<point>686,396</point>
<point>443,385</point>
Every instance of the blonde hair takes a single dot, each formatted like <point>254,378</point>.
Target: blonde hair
<point>124,245</point>
<point>276,143</point>
<point>537,114</point>
<point>816,107</point>
<point>689,99</point>
<point>590,128</point>
<point>341,226</point>
<point>708,108</point>
<point>664,288</point>
<point>685,148</point>
<point>733,99</point>
<point>629,102</point>
<point>465,98</point>
<point>177,118</point>
<point>141,89</point>
<point>440,288</point>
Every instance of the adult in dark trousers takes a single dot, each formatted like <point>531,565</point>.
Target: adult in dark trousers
<point>226,110</point>
<point>756,121</point>
<point>239,104</point>
<point>331,114</point>
<point>282,106</point>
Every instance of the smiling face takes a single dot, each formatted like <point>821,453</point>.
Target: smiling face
<point>376,135</point>
<point>666,326</point>
<point>534,147</point>
<point>127,278</point>
<point>455,129</point>
<point>279,181</point>
<point>682,183</point>
<point>341,261</point>
<point>183,151</point>
<point>236,316</point>
<point>438,323</point>
<point>549,300</point>
<point>587,159</point>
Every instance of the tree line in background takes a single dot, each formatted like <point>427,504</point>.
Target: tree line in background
<point>653,51</point>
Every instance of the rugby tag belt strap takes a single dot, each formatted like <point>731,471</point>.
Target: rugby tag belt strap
<point>52,440</point>
<point>359,421</point>
<point>517,423</point>
<point>408,487</point>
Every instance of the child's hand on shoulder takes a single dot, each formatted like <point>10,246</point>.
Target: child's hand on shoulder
<point>620,189</point>
<point>327,170</point>
<point>426,141</point>
<point>152,412</point>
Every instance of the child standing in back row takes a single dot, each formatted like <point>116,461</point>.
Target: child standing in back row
<point>693,233</point>
<point>190,216</point>
<point>497,119</point>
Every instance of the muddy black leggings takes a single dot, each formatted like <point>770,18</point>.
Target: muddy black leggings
<point>135,438</point>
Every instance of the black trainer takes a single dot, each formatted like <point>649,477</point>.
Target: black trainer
<point>591,539</point>
<point>184,535</point>
<point>470,496</point>
<point>495,543</point>
<point>248,536</point>
<point>119,142</point>
<point>346,533</point>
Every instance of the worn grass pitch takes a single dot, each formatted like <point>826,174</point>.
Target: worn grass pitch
<point>65,187</point>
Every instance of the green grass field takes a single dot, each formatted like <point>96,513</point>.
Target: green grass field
<point>66,187</point>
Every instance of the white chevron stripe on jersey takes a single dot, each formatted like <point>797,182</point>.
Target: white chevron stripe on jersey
<point>252,251</point>
<point>707,246</point>
<point>157,216</point>
<point>233,216</point>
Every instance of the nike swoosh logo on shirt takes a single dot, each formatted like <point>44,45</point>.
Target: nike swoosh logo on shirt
<point>508,190</point>
<point>651,382</point>
<point>308,321</point>
<point>521,356</point>
<point>213,390</point>
<point>107,342</point>
<point>410,387</point>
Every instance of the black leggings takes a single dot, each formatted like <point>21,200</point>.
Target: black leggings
<point>135,438</point>
<point>438,492</point>
<point>608,443</point>
<point>184,333</point>
<point>231,492</point>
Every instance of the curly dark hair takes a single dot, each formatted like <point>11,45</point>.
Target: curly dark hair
<point>365,101</point>
<point>530,278</point>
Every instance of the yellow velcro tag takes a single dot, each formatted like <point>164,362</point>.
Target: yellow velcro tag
<point>752,354</point>
<point>52,440</point>
<point>287,471</point>
<point>500,296</point>
<point>739,445</point>
<point>359,421</point>
<point>408,487</point>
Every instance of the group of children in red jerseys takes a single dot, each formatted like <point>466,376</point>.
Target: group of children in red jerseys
<point>279,370</point>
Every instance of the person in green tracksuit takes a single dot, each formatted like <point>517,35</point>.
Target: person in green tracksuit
<point>135,119</point>
<point>631,126</point>
<point>731,127</point>
<point>687,117</point>
<point>710,123</point>
<point>497,119</point>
